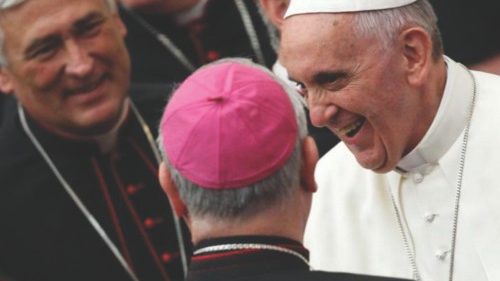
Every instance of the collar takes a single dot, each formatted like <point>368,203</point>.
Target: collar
<point>100,143</point>
<point>282,73</point>
<point>107,141</point>
<point>448,124</point>
<point>230,264</point>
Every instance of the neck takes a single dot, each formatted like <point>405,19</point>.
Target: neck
<point>432,91</point>
<point>285,220</point>
<point>105,141</point>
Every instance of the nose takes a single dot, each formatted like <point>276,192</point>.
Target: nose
<point>79,63</point>
<point>321,113</point>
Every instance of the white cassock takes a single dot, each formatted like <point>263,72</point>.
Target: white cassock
<point>353,226</point>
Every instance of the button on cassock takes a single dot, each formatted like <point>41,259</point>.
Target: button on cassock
<point>429,217</point>
<point>132,189</point>
<point>151,223</point>
<point>441,255</point>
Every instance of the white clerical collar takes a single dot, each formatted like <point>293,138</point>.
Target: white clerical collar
<point>107,141</point>
<point>191,14</point>
<point>449,122</point>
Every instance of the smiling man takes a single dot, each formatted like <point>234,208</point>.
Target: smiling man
<point>79,198</point>
<point>400,196</point>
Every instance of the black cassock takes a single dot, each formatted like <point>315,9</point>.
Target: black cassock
<point>45,237</point>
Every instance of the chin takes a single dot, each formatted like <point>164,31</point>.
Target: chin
<point>377,165</point>
<point>98,122</point>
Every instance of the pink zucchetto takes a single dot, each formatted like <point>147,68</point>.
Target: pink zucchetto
<point>297,7</point>
<point>229,125</point>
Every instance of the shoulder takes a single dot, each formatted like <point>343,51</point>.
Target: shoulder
<point>487,82</point>
<point>486,111</point>
<point>338,165</point>
<point>15,148</point>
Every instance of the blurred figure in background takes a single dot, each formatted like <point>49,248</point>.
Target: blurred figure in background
<point>169,39</point>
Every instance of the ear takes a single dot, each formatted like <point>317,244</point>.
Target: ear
<point>275,10</point>
<point>309,160</point>
<point>171,191</point>
<point>417,46</point>
<point>6,86</point>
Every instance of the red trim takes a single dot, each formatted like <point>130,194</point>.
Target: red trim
<point>212,256</point>
<point>112,212</point>
<point>138,223</point>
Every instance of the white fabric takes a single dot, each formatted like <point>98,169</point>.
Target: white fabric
<point>108,140</point>
<point>297,7</point>
<point>353,227</point>
<point>282,73</point>
<point>5,4</point>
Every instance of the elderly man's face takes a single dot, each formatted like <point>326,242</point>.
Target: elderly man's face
<point>355,88</point>
<point>67,63</point>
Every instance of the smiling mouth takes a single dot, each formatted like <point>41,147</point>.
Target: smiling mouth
<point>88,88</point>
<point>352,129</point>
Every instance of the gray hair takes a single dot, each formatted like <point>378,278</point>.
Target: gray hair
<point>247,201</point>
<point>8,4</point>
<point>385,25</point>
<point>272,31</point>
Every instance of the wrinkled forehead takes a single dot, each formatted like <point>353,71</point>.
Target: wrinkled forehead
<point>313,43</point>
<point>300,31</point>
<point>24,11</point>
<point>7,5</point>
<point>29,19</point>
<point>307,25</point>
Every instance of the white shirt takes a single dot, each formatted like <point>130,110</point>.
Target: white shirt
<point>353,226</point>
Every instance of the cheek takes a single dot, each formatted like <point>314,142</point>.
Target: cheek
<point>41,76</point>
<point>112,51</point>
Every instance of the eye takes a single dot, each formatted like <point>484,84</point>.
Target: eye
<point>89,27</point>
<point>43,49</point>
<point>301,88</point>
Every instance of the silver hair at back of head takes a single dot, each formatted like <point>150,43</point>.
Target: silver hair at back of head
<point>7,4</point>
<point>250,200</point>
<point>386,24</point>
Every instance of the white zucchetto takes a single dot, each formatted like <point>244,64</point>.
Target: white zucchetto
<point>5,4</point>
<point>298,7</point>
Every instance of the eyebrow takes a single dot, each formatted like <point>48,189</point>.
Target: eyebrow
<point>52,38</point>
<point>323,77</point>
<point>38,43</point>
<point>91,17</point>
<point>328,76</point>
